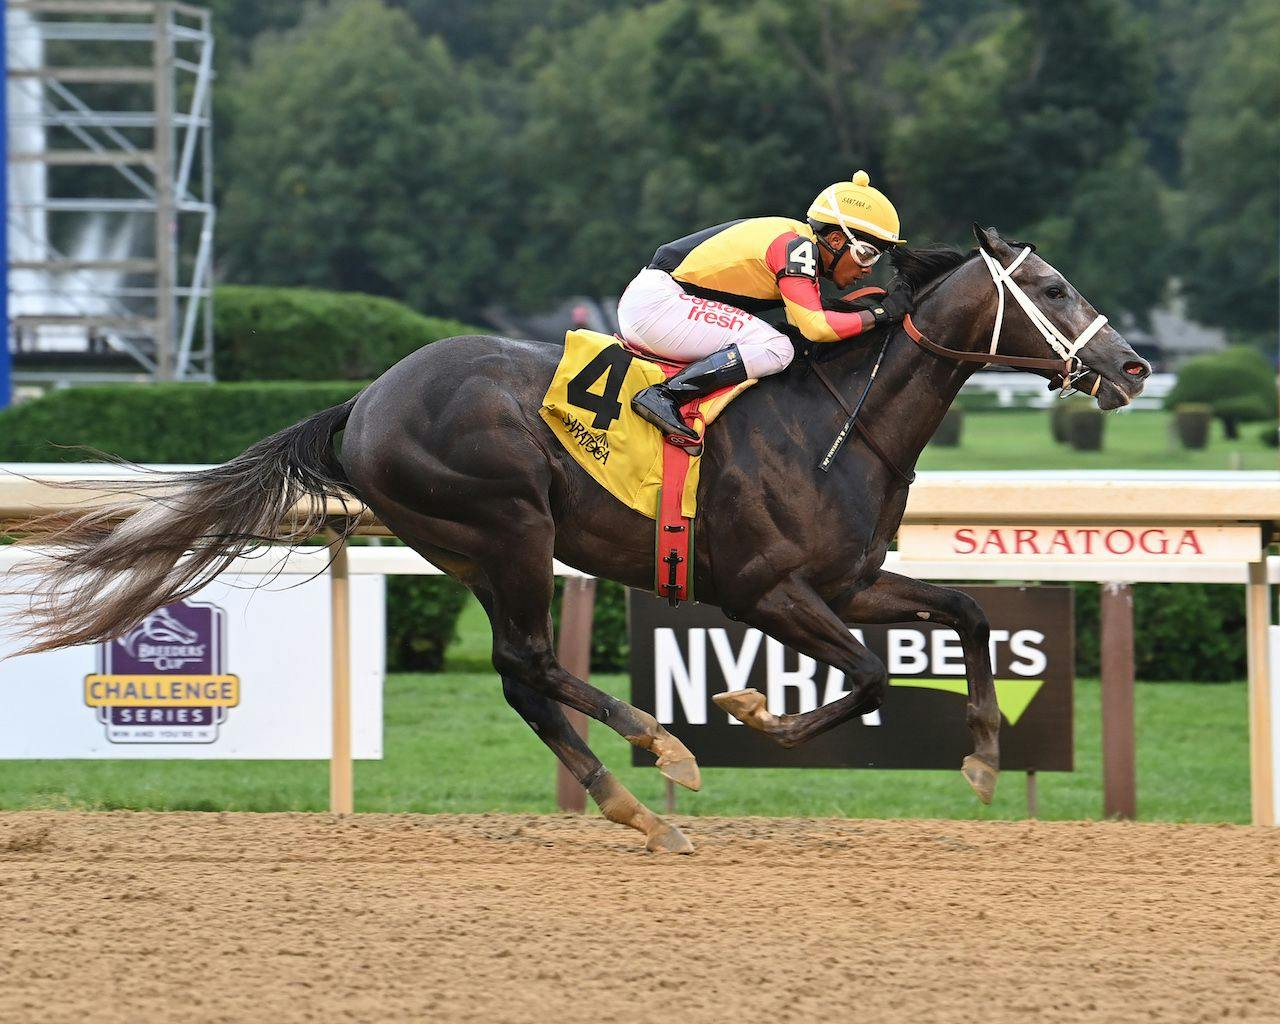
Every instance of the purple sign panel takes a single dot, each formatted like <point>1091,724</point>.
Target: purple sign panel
<point>165,681</point>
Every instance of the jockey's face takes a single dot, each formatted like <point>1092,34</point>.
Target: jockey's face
<point>846,270</point>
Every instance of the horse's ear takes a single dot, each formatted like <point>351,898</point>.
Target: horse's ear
<point>991,242</point>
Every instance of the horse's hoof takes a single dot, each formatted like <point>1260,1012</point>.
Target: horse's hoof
<point>747,706</point>
<point>675,761</point>
<point>682,770</point>
<point>980,776</point>
<point>667,839</point>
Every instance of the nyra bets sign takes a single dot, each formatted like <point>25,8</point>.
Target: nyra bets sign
<point>1150,543</point>
<point>681,657</point>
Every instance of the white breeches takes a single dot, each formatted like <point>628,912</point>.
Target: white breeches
<point>656,315</point>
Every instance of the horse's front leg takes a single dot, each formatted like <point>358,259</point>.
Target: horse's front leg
<point>794,614</point>
<point>893,598</point>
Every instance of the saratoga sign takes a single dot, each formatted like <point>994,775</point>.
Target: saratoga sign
<point>1167,544</point>
<point>681,657</point>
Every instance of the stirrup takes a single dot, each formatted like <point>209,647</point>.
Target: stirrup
<point>688,444</point>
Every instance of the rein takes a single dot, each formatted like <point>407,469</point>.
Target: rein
<point>853,423</point>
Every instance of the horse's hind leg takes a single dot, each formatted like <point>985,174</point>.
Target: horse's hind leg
<point>519,585</point>
<point>613,798</point>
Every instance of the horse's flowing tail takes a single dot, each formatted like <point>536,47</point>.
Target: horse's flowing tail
<point>163,536</point>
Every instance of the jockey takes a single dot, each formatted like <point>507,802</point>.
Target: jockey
<point>695,302</point>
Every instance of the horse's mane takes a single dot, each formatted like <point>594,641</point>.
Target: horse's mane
<point>923,266</point>
<point>917,267</point>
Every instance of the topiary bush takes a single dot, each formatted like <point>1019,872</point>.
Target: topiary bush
<point>1061,410</point>
<point>303,334</point>
<point>950,429</point>
<point>1085,426</point>
<point>979,401</point>
<point>1191,423</point>
<point>1237,383</point>
<point>159,422</point>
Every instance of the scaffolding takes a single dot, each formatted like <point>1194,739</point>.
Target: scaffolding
<point>111,206</point>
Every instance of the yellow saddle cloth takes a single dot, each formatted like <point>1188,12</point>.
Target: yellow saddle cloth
<point>588,408</point>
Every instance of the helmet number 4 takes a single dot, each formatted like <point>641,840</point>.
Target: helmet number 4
<point>803,260</point>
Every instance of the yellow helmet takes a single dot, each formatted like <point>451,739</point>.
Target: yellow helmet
<point>857,209</point>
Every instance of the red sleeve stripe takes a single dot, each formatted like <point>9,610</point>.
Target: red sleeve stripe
<point>775,257</point>
<point>804,293</point>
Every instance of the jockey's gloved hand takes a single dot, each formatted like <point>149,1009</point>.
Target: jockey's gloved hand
<point>895,305</point>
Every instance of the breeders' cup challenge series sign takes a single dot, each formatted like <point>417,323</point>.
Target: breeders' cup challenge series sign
<point>164,681</point>
<point>681,657</point>
<point>235,671</point>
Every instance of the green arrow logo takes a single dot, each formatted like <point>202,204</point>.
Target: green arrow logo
<point>1013,694</point>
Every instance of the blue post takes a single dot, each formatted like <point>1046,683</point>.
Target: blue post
<point>5,390</point>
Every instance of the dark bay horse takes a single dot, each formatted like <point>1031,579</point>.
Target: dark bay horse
<point>448,450</point>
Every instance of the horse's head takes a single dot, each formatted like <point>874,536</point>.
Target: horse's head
<point>1056,321</point>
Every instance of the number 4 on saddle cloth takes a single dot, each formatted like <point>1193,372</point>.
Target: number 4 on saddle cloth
<point>588,408</point>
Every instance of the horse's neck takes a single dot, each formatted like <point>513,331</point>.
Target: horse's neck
<point>914,388</point>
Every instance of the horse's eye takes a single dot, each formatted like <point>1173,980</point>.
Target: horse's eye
<point>1054,292</point>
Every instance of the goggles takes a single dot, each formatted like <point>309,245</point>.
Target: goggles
<point>864,253</point>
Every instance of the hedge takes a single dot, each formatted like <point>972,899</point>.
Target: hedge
<point>1182,631</point>
<point>422,621</point>
<point>159,422</point>
<point>303,334</point>
<point>609,644</point>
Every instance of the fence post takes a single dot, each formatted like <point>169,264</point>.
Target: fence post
<point>1119,777</point>
<point>573,649</point>
<point>341,781</point>
<point>1258,628</point>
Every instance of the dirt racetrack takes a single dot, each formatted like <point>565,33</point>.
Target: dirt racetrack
<point>282,918</point>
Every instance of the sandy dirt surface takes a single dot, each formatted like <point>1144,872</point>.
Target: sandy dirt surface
<point>282,918</point>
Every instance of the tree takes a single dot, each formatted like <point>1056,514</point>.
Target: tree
<point>1111,234</point>
<point>1231,212</point>
<point>648,124</point>
<point>1031,128</point>
<point>361,159</point>
<point>236,23</point>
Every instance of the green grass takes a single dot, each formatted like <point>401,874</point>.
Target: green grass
<point>452,745</point>
<point>1133,440</point>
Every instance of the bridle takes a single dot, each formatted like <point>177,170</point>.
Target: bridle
<point>1069,368</point>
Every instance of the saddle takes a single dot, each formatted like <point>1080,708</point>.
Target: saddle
<point>588,408</point>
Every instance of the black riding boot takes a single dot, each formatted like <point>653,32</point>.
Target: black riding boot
<point>660,403</point>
